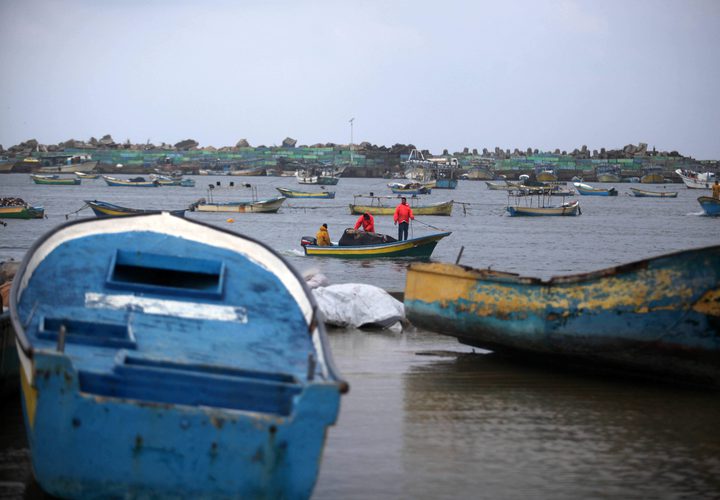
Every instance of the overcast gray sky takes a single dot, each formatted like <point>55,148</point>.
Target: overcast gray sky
<point>437,74</point>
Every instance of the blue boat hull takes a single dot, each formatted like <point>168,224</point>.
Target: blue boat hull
<point>159,373</point>
<point>658,316</point>
<point>711,206</point>
<point>446,183</point>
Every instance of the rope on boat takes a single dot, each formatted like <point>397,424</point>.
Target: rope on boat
<point>67,216</point>
<point>297,207</point>
<point>430,225</point>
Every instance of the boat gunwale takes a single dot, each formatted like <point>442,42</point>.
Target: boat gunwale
<point>463,271</point>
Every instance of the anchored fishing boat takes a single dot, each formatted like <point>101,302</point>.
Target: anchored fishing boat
<point>85,175</point>
<point>17,208</point>
<point>324,176</point>
<point>384,246</point>
<point>641,193</point>
<point>658,315</point>
<point>588,190</point>
<point>409,188</point>
<point>652,175</point>
<point>269,205</point>
<point>54,180</point>
<point>385,205</point>
<point>696,180</point>
<point>535,201</point>
<point>180,360</point>
<point>134,182</point>
<point>105,209</point>
<point>608,173</point>
<point>289,193</point>
<point>711,206</point>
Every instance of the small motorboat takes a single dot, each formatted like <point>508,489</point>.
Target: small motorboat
<point>588,190</point>
<point>361,245</point>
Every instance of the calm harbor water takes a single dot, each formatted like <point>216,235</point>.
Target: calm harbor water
<point>427,417</point>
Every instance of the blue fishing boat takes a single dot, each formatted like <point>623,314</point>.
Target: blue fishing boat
<point>180,360</point>
<point>711,206</point>
<point>588,190</point>
<point>655,316</point>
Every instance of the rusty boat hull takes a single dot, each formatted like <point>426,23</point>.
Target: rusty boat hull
<point>658,316</point>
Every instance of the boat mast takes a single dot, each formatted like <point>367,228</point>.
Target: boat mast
<point>351,140</point>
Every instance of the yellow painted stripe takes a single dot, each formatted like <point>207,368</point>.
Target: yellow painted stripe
<point>30,395</point>
<point>487,294</point>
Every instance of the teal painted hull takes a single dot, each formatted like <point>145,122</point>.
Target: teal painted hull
<point>657,316</point>
<point>711,206</point>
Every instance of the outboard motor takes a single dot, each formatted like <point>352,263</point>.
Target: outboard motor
<point>308,240</point>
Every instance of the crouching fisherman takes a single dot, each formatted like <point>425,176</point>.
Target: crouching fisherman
<point>323,237</point>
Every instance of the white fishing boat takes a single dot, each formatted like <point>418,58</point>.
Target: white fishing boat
<point>696,180</point>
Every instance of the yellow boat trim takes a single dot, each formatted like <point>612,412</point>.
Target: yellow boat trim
<point>30,395</point>
<point>355,250</point>
<point>445,283</point>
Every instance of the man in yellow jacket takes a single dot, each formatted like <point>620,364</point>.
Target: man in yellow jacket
<point>323,237</point>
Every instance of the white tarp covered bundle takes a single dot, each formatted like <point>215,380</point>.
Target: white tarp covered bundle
<point>359,305</point>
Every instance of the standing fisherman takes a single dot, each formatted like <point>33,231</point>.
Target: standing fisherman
<point>403,216</point>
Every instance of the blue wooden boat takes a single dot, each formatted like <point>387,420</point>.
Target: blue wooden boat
<point>105,209</point>
<point>446,183</point>
<point>180,360</point>
<point>134,182</point>
<point>655,316</point>
<point>588,190</point>
<point>711,206</point>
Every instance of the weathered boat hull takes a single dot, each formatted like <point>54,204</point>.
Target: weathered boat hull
<point>660,315</point>
<point>571,209</point>
<point>420,248</point>
<point>443,209</point>
<point>609,178</point>
<point>502,186</point>
<point>641,193</point>
<point>22,212</point>
<point>546,176</point>
<point>115,182</point>
<point>711,206</point>
<point>261,206</point>
<point>587,190</point>
<point>75,168</point>
<point>48,181</point>
<point>411,192</point>
<point>652,178</point>
<point>83,175</point>
<point>446,183</point>
<point>289,193</point>
<point>104,209</point>
<point>183,361</point>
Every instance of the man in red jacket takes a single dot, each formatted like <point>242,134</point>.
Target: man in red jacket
<point>403,216</point>
<point>367,221</point>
